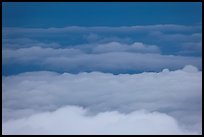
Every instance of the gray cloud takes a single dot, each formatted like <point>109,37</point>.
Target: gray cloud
<point>122,61</point>
<point>160,27</point>
<point>110,57</point>
<point>35,54</point>
<point>177,36</point>
<point>17,43</point>
<point>170,38</point>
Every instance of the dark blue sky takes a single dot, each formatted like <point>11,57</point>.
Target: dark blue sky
<point>29,14</point>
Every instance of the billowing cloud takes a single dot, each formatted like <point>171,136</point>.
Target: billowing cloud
<point>72,120</point>
<point>172,100</point>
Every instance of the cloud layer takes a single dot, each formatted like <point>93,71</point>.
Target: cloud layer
<point>170,38</point>
<point>112,57</point>
<point>125,49</point>
<point>76,120</point>
<point>102,80</point>
<point>175,96</point>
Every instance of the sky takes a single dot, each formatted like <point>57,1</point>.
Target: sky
<point>60,14</point>
<point>116,67</point>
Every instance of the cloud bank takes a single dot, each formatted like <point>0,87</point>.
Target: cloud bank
<point>168,102</point>
<point>112,57</point>
<point>124,49</point>
<point>75,120</point>
<point>162,35</point>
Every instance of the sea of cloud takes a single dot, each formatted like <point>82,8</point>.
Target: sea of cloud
<point>167,102</point>
<point>102,80</point>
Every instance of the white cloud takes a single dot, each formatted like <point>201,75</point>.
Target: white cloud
<point>75,120</point>
<point>177,94</point>
<point>118,47</point>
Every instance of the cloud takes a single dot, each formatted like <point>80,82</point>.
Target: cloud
<point>72,120</point>
<point>91,37</point>
<point>176,96</point>
<point>169,38</point>
<point>36,54</point>
<point>160,27</point>
<point>164,99</point>
<point>111,57</point>
<point>121,62</point>
<point>118,47</point>
<point>177,36</point>
<point>191,48</point>
<point>17,43</point>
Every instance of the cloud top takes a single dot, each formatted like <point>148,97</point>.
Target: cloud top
<point>75,120</point>
<point>176,94</point>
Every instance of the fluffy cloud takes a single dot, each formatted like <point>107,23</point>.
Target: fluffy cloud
<point>76,120</point>
<point>37,96</point>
